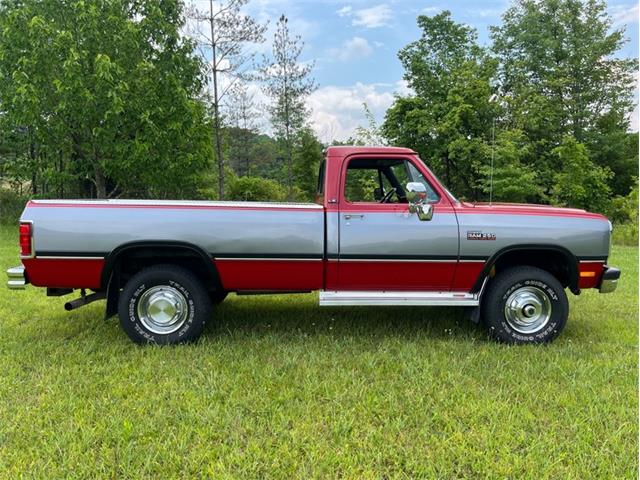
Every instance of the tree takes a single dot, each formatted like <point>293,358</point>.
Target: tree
<point>307,156</point>
<point>102,97</point>
<point>224,44</point>
<point>513,180</point>
<point>580,183</point>
<point>372,133</point>
<point>242,116</point>
<point>560,75</point>
<point>448,121</point>
<point>287,82</point>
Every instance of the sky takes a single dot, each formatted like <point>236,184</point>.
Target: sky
<point>354,45</point>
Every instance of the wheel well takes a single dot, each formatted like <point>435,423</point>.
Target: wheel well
<point>127,260</point>
<point>559,262</point>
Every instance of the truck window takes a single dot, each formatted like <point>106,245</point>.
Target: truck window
<point>320,190</point>
<point>382,181</point>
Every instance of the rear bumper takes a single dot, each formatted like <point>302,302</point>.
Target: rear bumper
<point>16,278</point>
<point>609,281</point>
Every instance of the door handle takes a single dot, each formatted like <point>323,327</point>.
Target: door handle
<point>349,216</point>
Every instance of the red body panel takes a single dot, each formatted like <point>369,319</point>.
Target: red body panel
<point>64,273</point>
<point>466,275</point>
<point>523,209</point>
<point>389,275</point>
<point>253,274</point>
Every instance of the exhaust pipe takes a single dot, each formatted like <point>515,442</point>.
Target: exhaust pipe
<point>84,300</point>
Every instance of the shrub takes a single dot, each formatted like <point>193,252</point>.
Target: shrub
<point>11,206</point>
<point>255,189</point>
<point>625,234</point>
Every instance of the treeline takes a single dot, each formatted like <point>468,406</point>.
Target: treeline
<point>120,99</point>
<point>547,101</point>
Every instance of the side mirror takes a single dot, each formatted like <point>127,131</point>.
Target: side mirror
<point>416,196</point>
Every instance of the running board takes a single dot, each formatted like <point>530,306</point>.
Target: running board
<point>440,299</point>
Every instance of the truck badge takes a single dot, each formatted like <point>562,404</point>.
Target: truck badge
<point>480,236</point>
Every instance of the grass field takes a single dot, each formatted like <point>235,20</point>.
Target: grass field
<point>281,388</point>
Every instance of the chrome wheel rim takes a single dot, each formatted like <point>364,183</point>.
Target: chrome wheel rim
<point>162,309</point>
<point>528,310</point>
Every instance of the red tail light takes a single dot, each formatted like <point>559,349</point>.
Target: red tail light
<point>26,245</point>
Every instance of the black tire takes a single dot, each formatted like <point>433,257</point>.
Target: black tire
<point>163,287</point>
<point>218,296</point>
<point>530,291</point>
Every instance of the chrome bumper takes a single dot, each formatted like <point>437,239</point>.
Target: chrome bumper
<point>609,281</point>
<point>16,278</point>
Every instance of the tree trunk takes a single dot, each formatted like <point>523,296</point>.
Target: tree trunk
<point>101,182</point>
<point>34,177</point>
<point>216,110</point>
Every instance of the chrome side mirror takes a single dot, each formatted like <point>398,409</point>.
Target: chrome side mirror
<point>417,196</point>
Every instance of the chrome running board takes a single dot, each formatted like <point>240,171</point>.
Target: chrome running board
<point>379,298</point>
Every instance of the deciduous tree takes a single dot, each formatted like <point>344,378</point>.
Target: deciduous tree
<point>103,91</point>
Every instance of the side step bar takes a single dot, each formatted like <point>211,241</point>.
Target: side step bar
<point>442,299</point>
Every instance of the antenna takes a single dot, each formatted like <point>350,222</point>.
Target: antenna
<point>493,150</point>
<point>492,99</point>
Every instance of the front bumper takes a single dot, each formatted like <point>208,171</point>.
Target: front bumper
<point>17,279</point>
<point>609,281</point>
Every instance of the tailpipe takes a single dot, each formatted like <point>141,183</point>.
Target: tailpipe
<point>84,300</point>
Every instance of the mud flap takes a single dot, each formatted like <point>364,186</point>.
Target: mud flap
<point>113,295</point>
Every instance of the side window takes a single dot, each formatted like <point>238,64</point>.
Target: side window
<point>320,189</point>
<point>382,180</point>
<point>361,184</point>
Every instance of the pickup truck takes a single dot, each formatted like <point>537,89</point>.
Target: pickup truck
<point>383,231</point>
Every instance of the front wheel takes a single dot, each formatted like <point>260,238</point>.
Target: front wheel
<point>525,305</point>
<point>164,304</point>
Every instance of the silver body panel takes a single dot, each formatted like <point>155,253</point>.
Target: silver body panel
<point>216,227</point>
<point>398,234</point>
<point>584,237</point>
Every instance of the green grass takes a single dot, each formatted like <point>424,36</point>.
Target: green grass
<point>279,387</point>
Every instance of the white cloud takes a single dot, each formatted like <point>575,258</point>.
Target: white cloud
<point>355,48</point>
<point>338,111</point>
<point>486,12</point>
<point>634,120</point>
<point>625,14</point>
<point>345,11</point>
<point>431,10</point>
<point>372,17</point>
<point>634,117</point>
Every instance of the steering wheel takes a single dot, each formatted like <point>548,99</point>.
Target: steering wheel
<point>387,196</point>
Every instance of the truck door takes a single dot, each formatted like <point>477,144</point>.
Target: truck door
<point>381,245</point>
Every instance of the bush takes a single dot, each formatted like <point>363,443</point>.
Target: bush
<point>11,206</point>
<point>625,234</point>
<point>623,213</point>
<point>255,189</point>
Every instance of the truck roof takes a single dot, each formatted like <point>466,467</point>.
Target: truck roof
<point>345,150</point>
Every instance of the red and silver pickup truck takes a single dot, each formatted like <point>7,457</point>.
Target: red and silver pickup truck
<point>384,231</point>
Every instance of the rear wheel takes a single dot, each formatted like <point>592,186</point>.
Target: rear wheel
<point>164,304</point>
<point>525,305</point>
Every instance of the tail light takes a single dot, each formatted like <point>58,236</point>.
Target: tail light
<point>26,240</point>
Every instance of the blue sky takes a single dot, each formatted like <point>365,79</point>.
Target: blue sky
<point>354,45</point>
